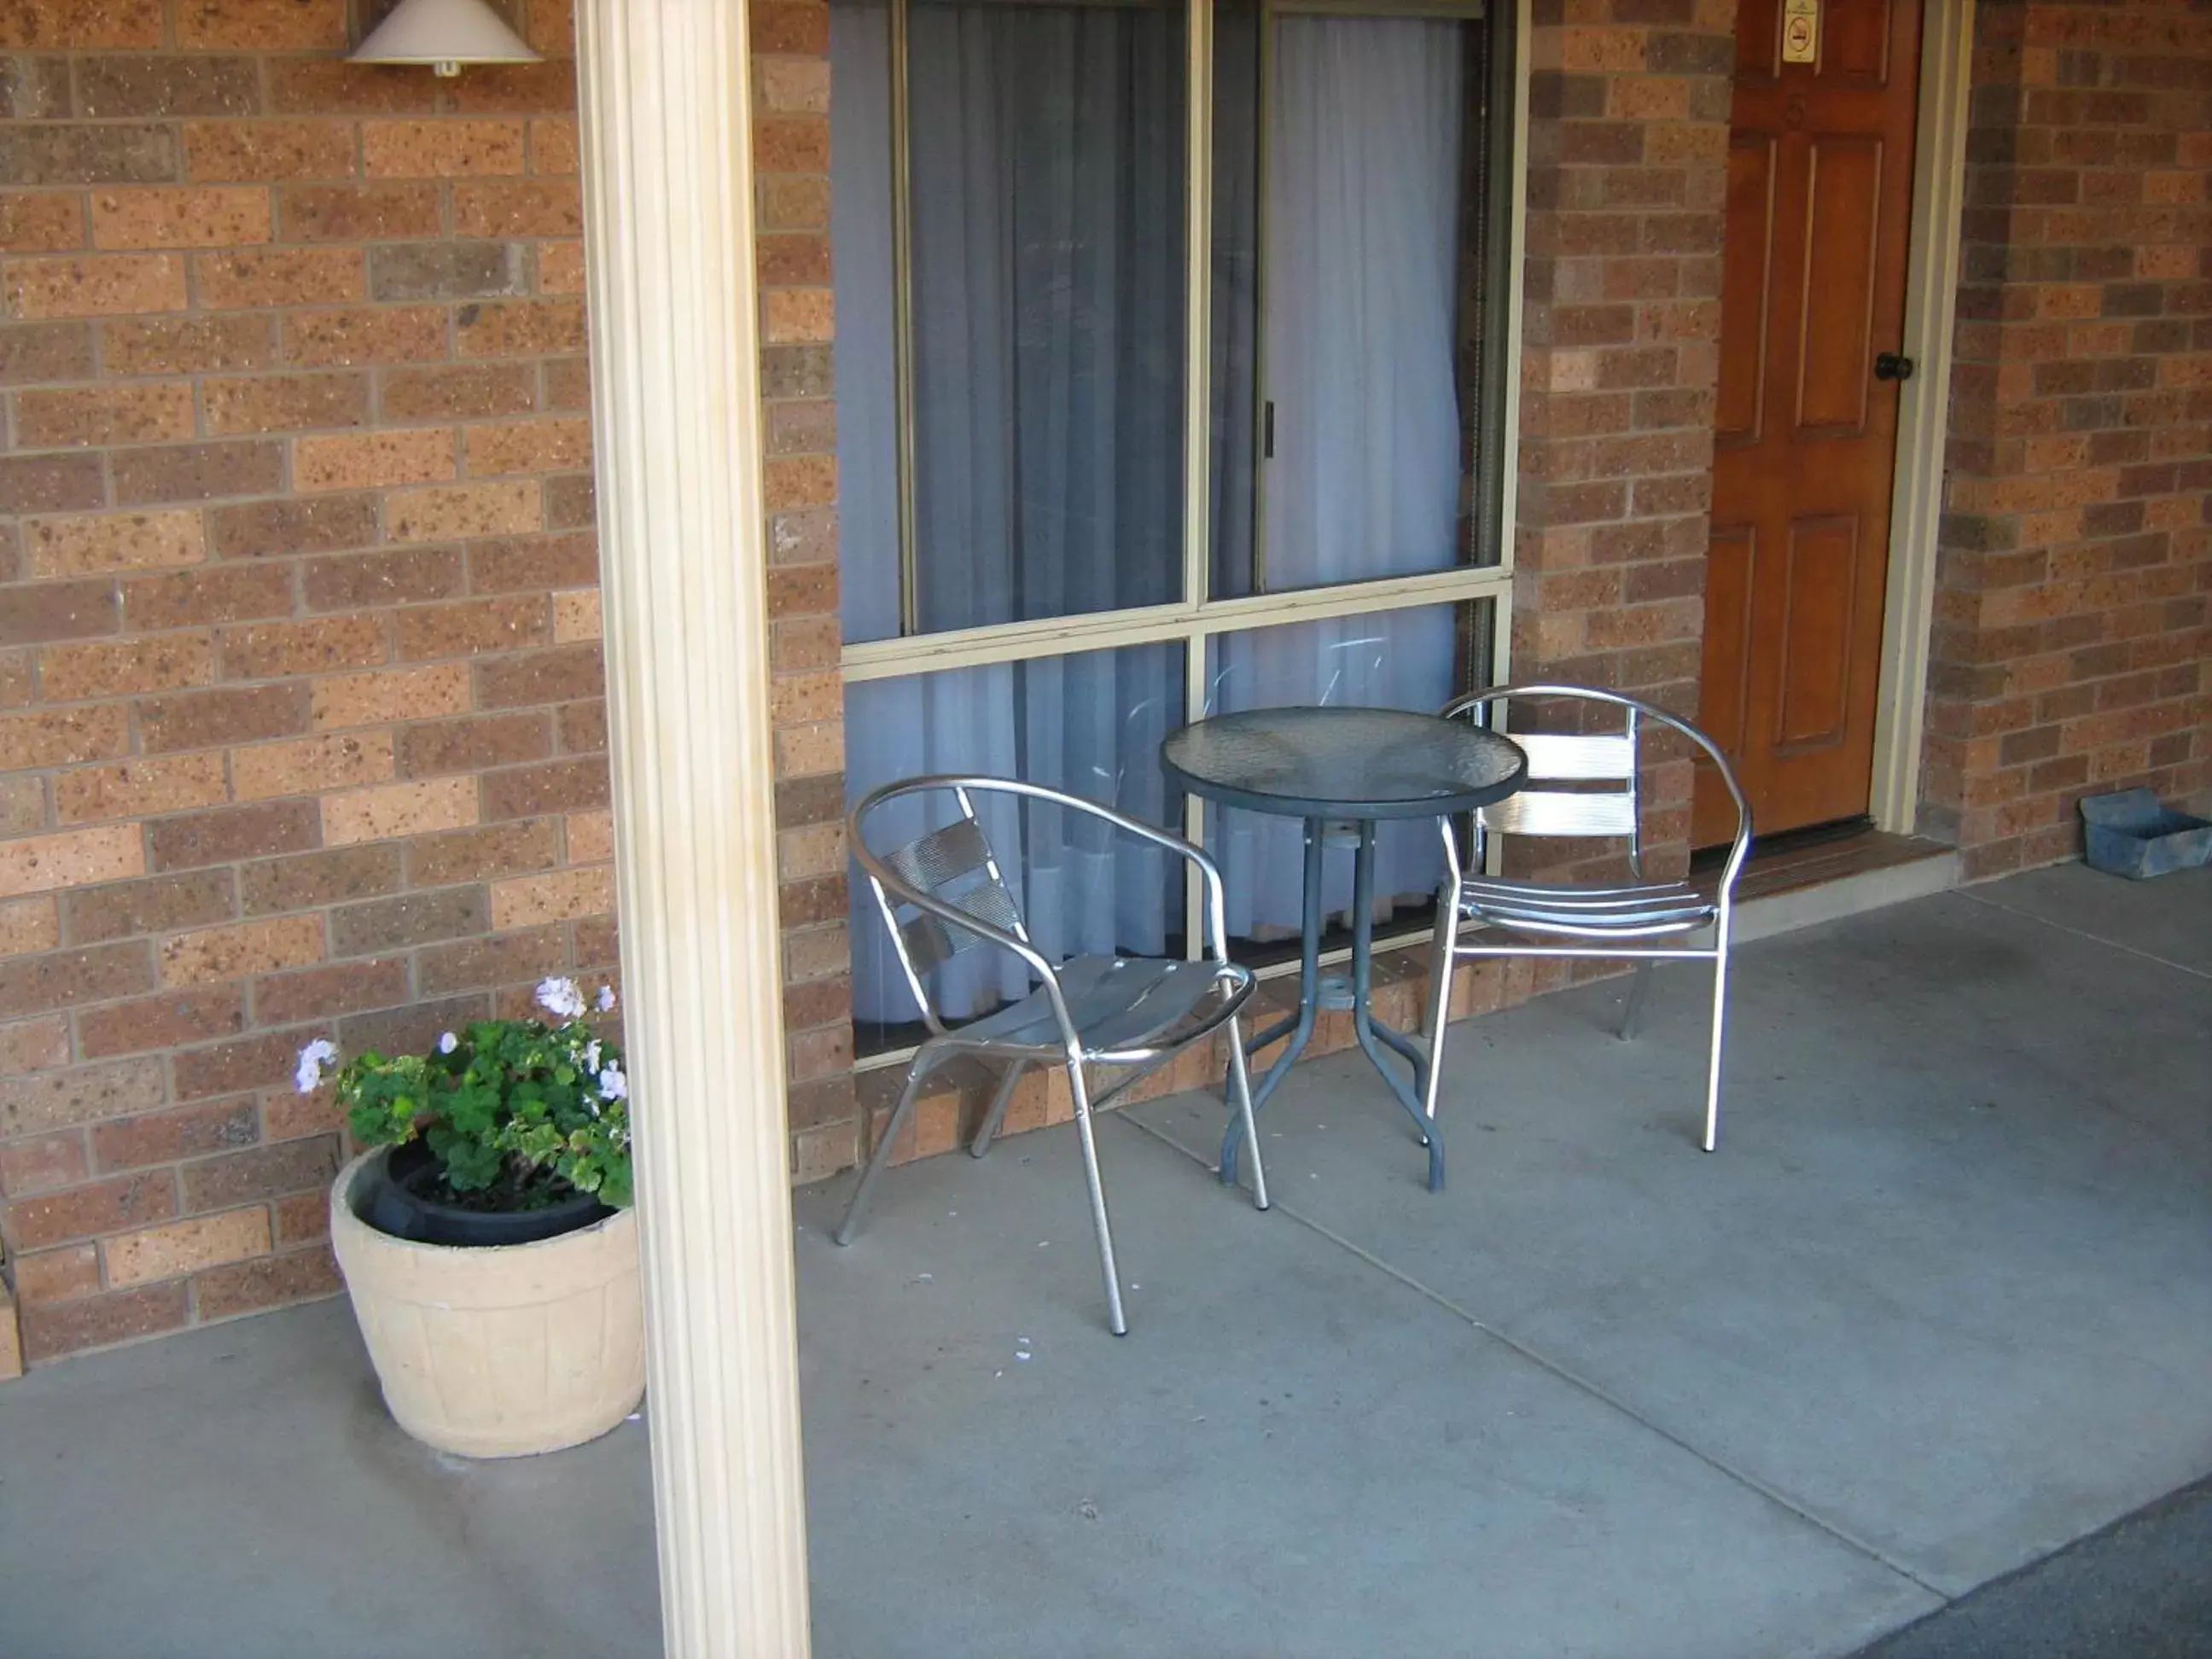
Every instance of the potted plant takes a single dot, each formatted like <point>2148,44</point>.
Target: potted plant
<point>485,1233</point>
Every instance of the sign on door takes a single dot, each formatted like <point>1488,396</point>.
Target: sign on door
<point>1801,31</point>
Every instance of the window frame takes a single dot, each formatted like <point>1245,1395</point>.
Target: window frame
<point>1197,619</point>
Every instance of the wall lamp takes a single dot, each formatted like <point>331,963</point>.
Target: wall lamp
<point>444,35</point>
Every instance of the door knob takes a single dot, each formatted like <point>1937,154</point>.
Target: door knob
<point>1891,366</point>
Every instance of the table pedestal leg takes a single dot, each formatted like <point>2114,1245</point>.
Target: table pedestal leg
<point>1299,1026</point>
<point>1371,1032</point>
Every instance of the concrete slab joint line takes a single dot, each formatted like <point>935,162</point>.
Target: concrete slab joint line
<point>1567,1374</point>
<point>2202,972</point>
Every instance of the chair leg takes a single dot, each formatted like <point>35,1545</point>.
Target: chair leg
<point>997,1116</point>
<point>854,1210</point>
<point>1713,1078</point>
<point>1440,968</point>
<point>1240,1091</point>
<point>1115,1320</point>
<point>1639,988</point>
<point>1444,963</point>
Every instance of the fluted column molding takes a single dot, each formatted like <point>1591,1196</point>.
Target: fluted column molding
<point>665,138</point>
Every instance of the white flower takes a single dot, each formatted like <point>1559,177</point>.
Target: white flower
<point>562,998</point>
<point>447,1043</point>
<point>313,1058</point>
<point>606,999</point>
<point>592,1056</point>
<point>613,1085</point>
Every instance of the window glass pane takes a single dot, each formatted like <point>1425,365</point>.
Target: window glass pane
<point>1354,269</point>
<point>1089,724</point>
<point>1418,658</point>
<point>1046,164</point>
<point>860,222</point>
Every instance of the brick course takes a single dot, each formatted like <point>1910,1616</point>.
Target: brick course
<point>2072,652</point>
<point>302,720</point>
<point>791,159</point>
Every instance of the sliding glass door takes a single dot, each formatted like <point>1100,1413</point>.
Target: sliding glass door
<point>1094,483</point>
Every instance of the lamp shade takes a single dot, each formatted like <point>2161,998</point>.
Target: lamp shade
<point>445,33</point>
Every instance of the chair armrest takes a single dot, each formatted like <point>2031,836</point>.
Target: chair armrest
<point>1216,909</point>
<point>967,921</point>
<point>1475,703</point>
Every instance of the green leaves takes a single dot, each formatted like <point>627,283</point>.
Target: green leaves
<point>509,1098</point>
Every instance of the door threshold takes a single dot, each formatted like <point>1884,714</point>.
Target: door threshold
<point>1813,878</point>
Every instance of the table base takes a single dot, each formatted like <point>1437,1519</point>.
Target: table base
<point>1315,993</point>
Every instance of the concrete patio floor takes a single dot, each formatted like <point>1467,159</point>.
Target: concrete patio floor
<point>1942,1302</point>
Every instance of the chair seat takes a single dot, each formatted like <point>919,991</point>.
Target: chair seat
<point>1640,911</point>
<point>1118,1004</point>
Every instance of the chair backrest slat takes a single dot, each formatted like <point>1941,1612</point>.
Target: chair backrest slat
<point>939,860</point>
<point>930,944</point>
<point>1562,812</point>
<point>1572,757</point>
<point>1605,764</point>
<point>987,902</point>
<point>1606,807</point>
<point>953,865</point>
<point>942,855</point>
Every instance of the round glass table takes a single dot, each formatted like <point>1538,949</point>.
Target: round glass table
<point>1345,769</point>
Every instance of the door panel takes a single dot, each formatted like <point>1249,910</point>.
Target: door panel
<point>1817,603</point>
<point>1743,289</point>
<point>1855,37</point>
<point>1819,210</point>
<point>1728,612</point>
<point>1757,39</point>
<point>1843,233</point>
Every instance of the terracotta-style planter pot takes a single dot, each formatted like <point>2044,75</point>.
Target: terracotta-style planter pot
<point>497,1352</point>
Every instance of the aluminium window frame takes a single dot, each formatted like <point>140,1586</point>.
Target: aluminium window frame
<point>1197,619</point>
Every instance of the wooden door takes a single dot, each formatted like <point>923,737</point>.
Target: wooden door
<point>1820,188</point>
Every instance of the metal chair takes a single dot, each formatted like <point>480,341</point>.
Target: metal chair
<point>946,893</point>
<point>1636,922</point>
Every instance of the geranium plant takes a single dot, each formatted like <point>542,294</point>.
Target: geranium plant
<point>516,1112</point>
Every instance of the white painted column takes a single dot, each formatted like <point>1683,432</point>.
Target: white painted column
<point>665,130</point>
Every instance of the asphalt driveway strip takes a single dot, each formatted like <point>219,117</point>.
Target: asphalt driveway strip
<point>2142,1588</point>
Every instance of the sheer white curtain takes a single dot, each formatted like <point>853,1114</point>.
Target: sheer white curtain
<point>1047,280</point>
<point>1364,160</point>
<point>1046,156</point>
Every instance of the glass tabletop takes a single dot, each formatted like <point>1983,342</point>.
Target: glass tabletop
<point>1343,763</point>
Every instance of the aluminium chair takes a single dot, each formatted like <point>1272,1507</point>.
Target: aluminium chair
<point>1583,785</point>
<point>946,894</point>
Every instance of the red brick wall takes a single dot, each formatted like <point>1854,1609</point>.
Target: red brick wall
<point>302,729</point>
<point>791,156</point>
<point>1627,179</point>
<point>2072,653</point>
